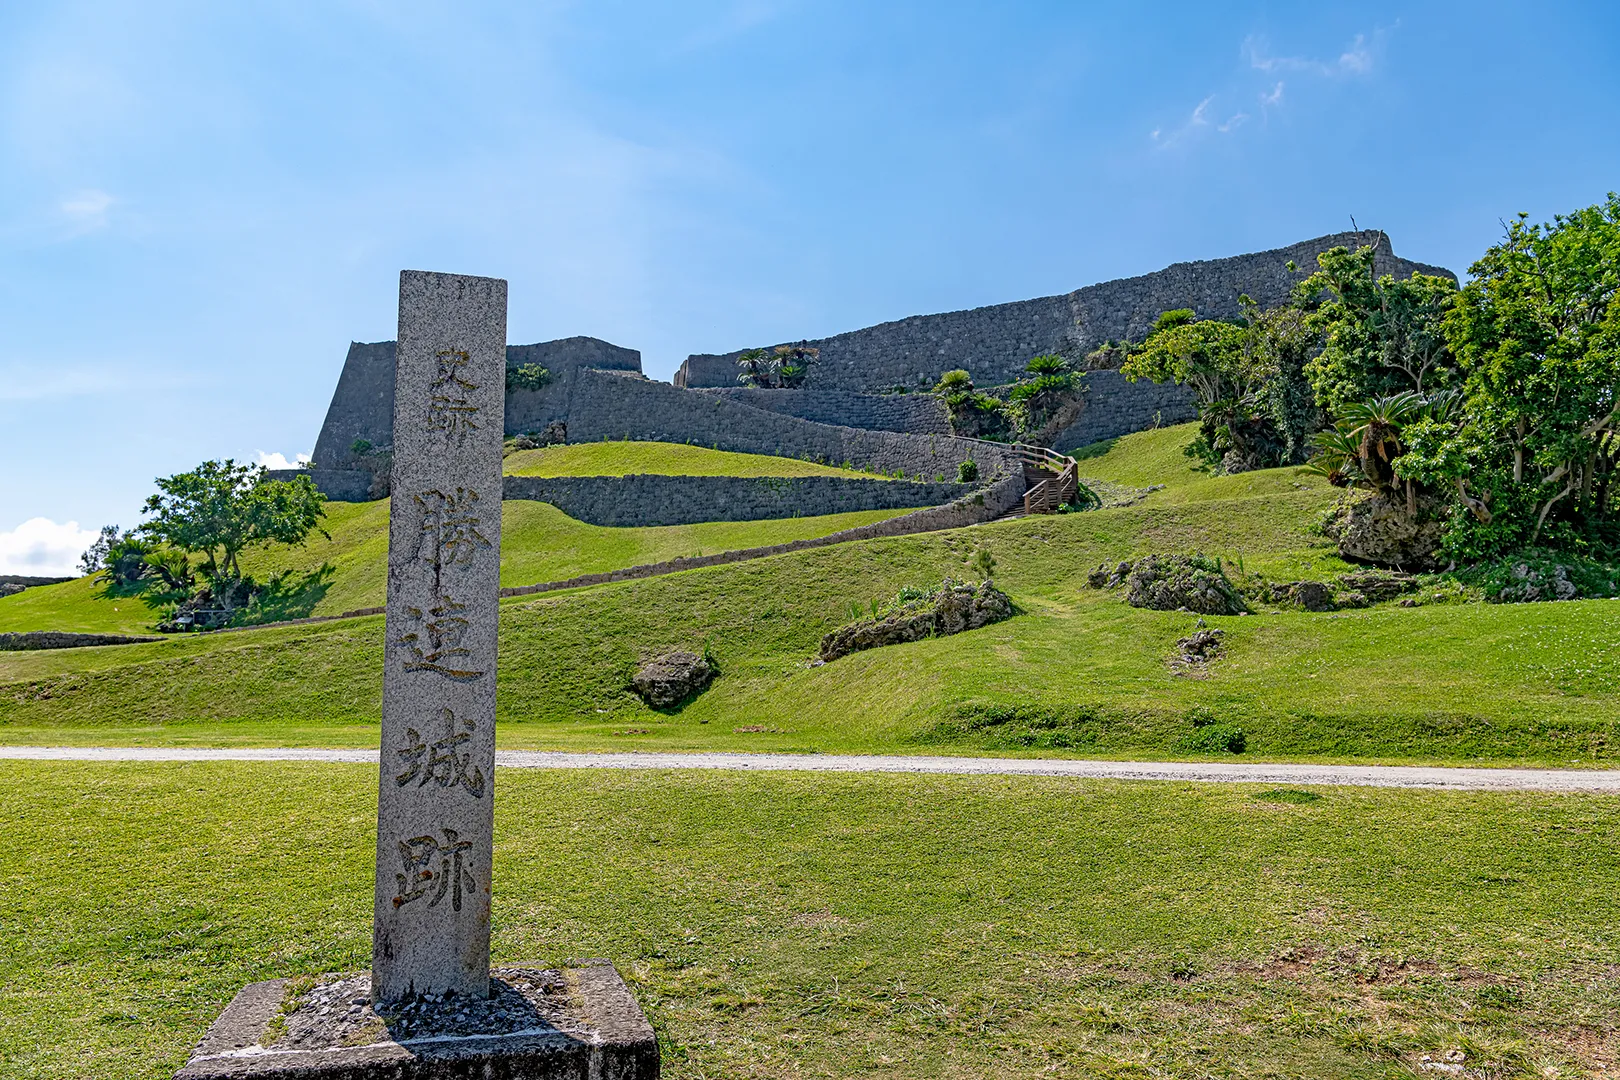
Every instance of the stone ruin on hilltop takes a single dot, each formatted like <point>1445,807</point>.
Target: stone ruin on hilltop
<point>854,407</point>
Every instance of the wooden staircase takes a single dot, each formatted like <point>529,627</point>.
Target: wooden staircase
<point>1051,479</point>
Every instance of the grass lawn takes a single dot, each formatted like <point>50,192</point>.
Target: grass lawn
<point>659,459</point>
<point>1077,673</point>
<point>795,925</point>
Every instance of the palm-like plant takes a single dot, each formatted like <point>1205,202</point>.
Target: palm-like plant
<point>1337,457</point>
<point>1361,449</point>
<point>1377,424</point>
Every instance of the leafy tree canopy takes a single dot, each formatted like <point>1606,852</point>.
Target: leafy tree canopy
<point>1537,333</point>
<point>221,508</point>
<point>1380,336</point>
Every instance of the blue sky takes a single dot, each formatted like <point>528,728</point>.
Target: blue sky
<point>202,204</point>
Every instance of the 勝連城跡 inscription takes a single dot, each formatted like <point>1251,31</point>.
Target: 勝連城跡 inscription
<point>435,802</point>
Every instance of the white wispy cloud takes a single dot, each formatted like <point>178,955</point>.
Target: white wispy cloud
<point>1356,59</point>
<point>86,211</point>
<point>40,547</point>
<point>279,460</point>
<point>1274,98</point>
<point>1197,119</point>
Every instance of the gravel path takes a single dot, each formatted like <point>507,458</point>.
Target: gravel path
<point>1399,776</point>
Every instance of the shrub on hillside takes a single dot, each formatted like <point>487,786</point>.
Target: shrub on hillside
<point>526,377</point>
<point>1544,575</point>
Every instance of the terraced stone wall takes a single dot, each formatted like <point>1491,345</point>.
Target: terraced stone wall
<point>607,407</point>
<point>681,500</point>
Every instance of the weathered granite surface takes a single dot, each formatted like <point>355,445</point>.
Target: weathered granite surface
<point>579,1023</point>
<point>435,807</point>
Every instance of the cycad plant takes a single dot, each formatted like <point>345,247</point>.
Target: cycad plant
<point>1361,449</point>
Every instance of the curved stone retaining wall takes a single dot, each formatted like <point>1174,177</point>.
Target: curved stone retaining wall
<point>608,407</point>
<point>996,499</point>
<point>639,500</point>
<point>1001,497</point>
<point>60,639</point>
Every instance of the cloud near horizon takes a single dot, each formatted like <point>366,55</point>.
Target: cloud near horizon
<point>40,547</point>
<point>279,460</point>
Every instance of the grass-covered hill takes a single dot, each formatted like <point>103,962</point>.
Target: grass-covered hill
<point>658,459</point>
<point>1076,672</point>
<point>540,542</point>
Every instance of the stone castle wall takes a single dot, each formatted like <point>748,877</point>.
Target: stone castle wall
<point>1115,406</point>
<point>994,343</point>
<point>922,414</point>
<point>363,405</point>
<point>608,407</point>
<point>640,500</point>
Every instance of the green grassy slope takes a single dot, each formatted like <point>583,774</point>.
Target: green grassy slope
<point>895,926</point>
<point>659,459</point>
<point>539,543</point>
<point>1078,672</point>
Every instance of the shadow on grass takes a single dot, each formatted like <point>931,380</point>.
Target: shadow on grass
<point>1093,450</point>
<point>149,591</point>
<point>287,596</point>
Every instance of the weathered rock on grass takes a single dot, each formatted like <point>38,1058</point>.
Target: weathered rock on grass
<point>1201,647</point>
<point>1534,583</point>
<point>1379,530</point>
<point>1379,585</point>
<point>666,681</point>
<point>1175,583</point>
<point>952,608</point>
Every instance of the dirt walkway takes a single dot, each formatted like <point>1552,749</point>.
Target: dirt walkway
<point>1398,776</point>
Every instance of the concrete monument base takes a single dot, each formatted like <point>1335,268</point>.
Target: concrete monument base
<point>578,1023</point>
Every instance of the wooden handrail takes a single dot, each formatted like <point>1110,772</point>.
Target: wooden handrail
<point>1046,496</point>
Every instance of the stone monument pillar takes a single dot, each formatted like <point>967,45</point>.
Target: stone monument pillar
<point>431,1007</point>
<point>435,802</point>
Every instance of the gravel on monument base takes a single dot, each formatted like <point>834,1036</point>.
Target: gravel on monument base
<point>1224,772</point>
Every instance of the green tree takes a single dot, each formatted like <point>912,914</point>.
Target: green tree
<point>219,509</point>
<point>1036,402</point>
<point>1212,358</point>
<point>973,414</point>
<point>1280,343</point>
<point>1380,336</point>
<point>95,556</point>
<point>1537,332</point>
